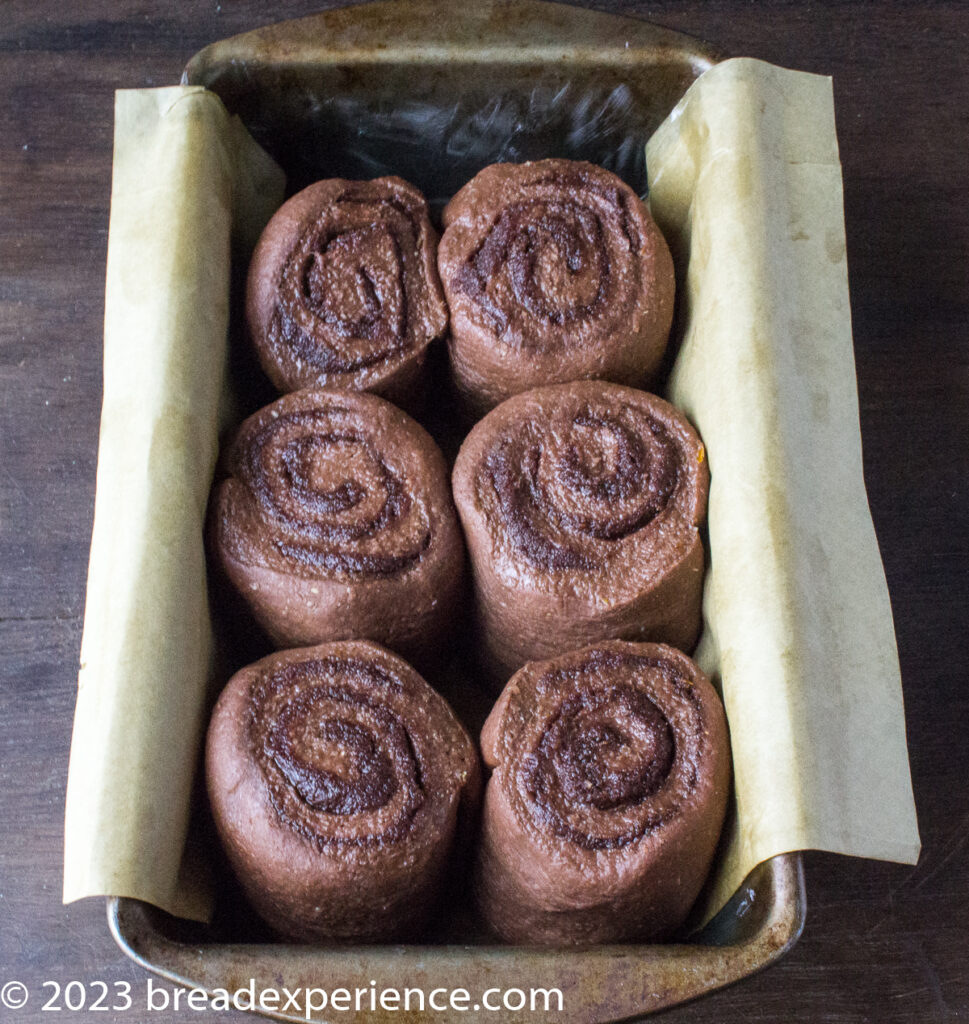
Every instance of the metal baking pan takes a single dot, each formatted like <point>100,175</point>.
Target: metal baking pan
<point>603,984</point>
<point>433,92</point>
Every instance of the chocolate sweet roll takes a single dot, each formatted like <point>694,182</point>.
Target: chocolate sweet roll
<point>581,505</point>
<point>340,782</point>
<point>343,288</point>
<point>611,770</point>
<point>553,271</point>
<point>336,522</point>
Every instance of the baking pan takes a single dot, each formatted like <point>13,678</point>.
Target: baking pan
<point>434,92</point>
<point>603,984</point>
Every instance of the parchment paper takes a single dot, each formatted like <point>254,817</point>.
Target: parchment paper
<point>181,168</point>
<point>746,183</point>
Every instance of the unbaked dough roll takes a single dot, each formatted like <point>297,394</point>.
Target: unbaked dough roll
<point>340,782</point>
<point>611,770</point>
<point>336,522</point>
<point>343,289</point>
<point>553,271</point>
<point>581,505</point>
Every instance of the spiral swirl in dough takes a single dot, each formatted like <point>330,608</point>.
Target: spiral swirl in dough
<point>336,521</point>
<point>553,271</point>
<point>611,770</point>
<point>340,782</point>
<point>581,505</point>
<point>343,288</point>
<point>334,751</point>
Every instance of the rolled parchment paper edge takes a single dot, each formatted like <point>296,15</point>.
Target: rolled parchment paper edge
<point>745,181</point>
<point>146,650</point>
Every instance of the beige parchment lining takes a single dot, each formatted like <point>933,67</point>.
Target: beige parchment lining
<point>745,181</point>
<point>181,169</point>
<point>746,184</point>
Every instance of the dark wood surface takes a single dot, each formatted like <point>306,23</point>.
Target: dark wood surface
<point>883,943</point>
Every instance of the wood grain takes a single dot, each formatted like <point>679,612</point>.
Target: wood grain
<point>883,943</point>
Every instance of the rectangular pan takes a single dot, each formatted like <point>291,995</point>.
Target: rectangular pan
<point>603,984</point>
<point>433,92</point>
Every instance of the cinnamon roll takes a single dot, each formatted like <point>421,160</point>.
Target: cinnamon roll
<point>553,271</point>
<point>343,288</point>
<point>339,781</point>
<point>611,771</point>
<point>336,522</point>
<point>581,505</point>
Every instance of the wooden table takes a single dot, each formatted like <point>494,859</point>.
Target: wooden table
<point>883,943</point>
